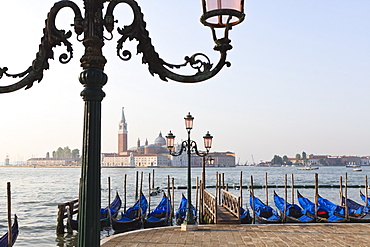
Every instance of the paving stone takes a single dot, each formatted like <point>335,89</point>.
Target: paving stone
<point>318,235</point>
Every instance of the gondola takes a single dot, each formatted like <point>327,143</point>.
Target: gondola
<point>105,214</point>
<point>160,216</point>
<point>363,197</point>
<point>294,213</point>
<point>362,213</point>
<point>181,212</point>
<point>245,217</point>
<point>264,214</point>
<point>15,232</point>
<point>132,218</point>
<point>323,213</point>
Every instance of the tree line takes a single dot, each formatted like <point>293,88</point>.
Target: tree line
<point>64,153</point>
<point>277,160</point>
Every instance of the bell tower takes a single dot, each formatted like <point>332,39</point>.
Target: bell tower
<point>122,135</point>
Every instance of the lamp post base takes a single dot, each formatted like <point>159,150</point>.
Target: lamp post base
<point>186,227</point>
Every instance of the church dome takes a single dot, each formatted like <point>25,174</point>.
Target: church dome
<point>160,141</point>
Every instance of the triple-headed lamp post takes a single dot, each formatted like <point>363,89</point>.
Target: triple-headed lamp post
<point>189,146</point>
<point>91,26</point>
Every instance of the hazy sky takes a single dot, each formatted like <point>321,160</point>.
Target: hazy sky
<point>299,81</point>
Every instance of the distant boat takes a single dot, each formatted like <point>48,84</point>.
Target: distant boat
<point>308,168</point>
<point>354,165</point>
<point>357,170</point>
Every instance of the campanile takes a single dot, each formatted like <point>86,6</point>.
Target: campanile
<point>122,134</point>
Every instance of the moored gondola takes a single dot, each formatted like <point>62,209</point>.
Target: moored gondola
<point>245,217</point>
<point>160,216</point>
<point>363,197</point>
<point>15,232</point>
<point>361,213</point>
<point>294,213</point>
<point>181,211</point>
<point>105,214</point>
<point>132,219</point>
<point>263,213</point>
<point>323,214</point>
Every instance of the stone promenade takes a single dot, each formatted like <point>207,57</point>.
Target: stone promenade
<point>345,234</point>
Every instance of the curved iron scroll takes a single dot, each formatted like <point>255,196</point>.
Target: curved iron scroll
<point>137,30</point>
<point>52,37</point>
<point>193,147</point>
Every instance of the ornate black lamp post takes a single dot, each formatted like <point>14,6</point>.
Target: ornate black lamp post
<point>189,146</point>
<point>216,14</point>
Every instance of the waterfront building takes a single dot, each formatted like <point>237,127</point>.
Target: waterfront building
<point>52,162</point>
<point>155,154</point>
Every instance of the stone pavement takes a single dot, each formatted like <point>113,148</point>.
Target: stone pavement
<point>319,234</point>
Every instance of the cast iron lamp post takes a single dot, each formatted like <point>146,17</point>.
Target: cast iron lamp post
<point>189,146</point>
<point>216,14</point>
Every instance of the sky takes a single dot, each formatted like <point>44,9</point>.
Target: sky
<point>299,81</point>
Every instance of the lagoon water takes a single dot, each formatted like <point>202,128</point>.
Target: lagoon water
<point>36,192</point>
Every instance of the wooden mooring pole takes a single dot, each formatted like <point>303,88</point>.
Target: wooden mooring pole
<point>149,192</point>
<point>292,188</point>
<point>141,182</point>
<point>137,185</point>
<point>241,188</point>
<point>366,190</point>
<point>285,195</point>
<point>125,192</point>
<point>173,199</point>
<point>254,206</point>
<point>153,180</point>
<point>346,195</point>
<point>340,191</point>
<point>108,192</point>
<point>316,193</point>
<point>197,194</point>
<point>267,190</point>
<point>9,215</point>
<point>217,185</point>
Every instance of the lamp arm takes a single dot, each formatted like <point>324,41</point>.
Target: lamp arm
<point>183,148</point>
<point>194,147</point>
<point>156,65</point>
<point>52,37</point>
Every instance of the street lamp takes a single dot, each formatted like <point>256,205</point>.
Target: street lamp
<point>189,146</point>
<point>91,25</point>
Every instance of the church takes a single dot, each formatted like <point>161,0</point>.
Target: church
<point>156,154</point>
<point>139,156</point>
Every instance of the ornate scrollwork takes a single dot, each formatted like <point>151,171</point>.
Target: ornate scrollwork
<point>188,145</point>
<point>52,37</point>
<point>156,65</point>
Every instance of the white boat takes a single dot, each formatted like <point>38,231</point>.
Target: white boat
<point>357,170</point>
<point>307,168</point>
<point>353,165</point>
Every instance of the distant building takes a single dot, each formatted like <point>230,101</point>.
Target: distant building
<point>156,154</point>
<point>328,160</point>
<point>6,161</point>
<point>51,162</point>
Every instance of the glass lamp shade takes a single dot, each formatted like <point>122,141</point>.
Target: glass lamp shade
<point>170,139</point>
<point>211,161</point>
<point>208,140</point>
<point>220,13</point>
<point>189,121</point>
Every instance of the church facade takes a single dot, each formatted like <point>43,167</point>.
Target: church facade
<point>156,154</point>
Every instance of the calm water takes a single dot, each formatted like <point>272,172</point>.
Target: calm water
<point>36,192</point>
